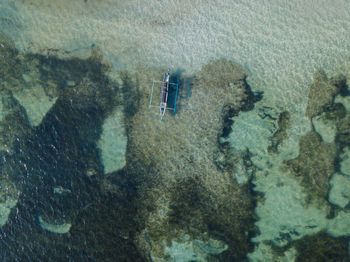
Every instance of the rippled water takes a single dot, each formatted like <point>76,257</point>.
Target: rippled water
<point>253,165</point>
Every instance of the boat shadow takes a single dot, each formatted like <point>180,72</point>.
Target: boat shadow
<point>184,91</point>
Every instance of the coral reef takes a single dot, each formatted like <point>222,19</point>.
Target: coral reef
<point>50,155</point>
<point>109,181</point>
<point>11,66</point>
<point>321,155</point>
<point>315,163</point>
<point>14,125</point>
<point>183,190</point>
<point>322,93</point>
<point>14,122</point>
<point>319,148</point>
<point>283,213</point>
<point>21,76</point>
<point>294,177</point>
<point>321,247</point>
<point>281,132</point>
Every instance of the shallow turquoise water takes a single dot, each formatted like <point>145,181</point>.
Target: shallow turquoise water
<point>253,166</point>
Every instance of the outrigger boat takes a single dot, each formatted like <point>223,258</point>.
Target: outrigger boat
<point>164,94</point>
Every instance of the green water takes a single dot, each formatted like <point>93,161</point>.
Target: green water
<point>253,165</point>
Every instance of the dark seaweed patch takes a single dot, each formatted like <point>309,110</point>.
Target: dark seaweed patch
<point>131,94</point>
<point>322,247</point>
<point>281,132</point>
<point>195,210</point>
<point>58,154</point>
<point>315,163</point>
<point>231,110</point>
<point>318,160</point>
<point>11,65</point>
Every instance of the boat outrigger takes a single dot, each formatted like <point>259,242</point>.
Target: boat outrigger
<point>164,94</point>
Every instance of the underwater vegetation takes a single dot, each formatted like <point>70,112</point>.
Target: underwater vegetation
<point>191,199</point>
<point>281,133</point>
<point>160,200</point>
<point>88,173</point>
<point>51,167</point>
<point>319,149</point>
<point>301,182</point>
<point>322,247</point>
<point>316,247</point>
<point>10,64</point>
<point>315,163</point>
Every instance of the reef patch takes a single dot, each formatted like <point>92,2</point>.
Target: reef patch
<point>322,247</point>
<point>52,115</point>
<point>183,188</point>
